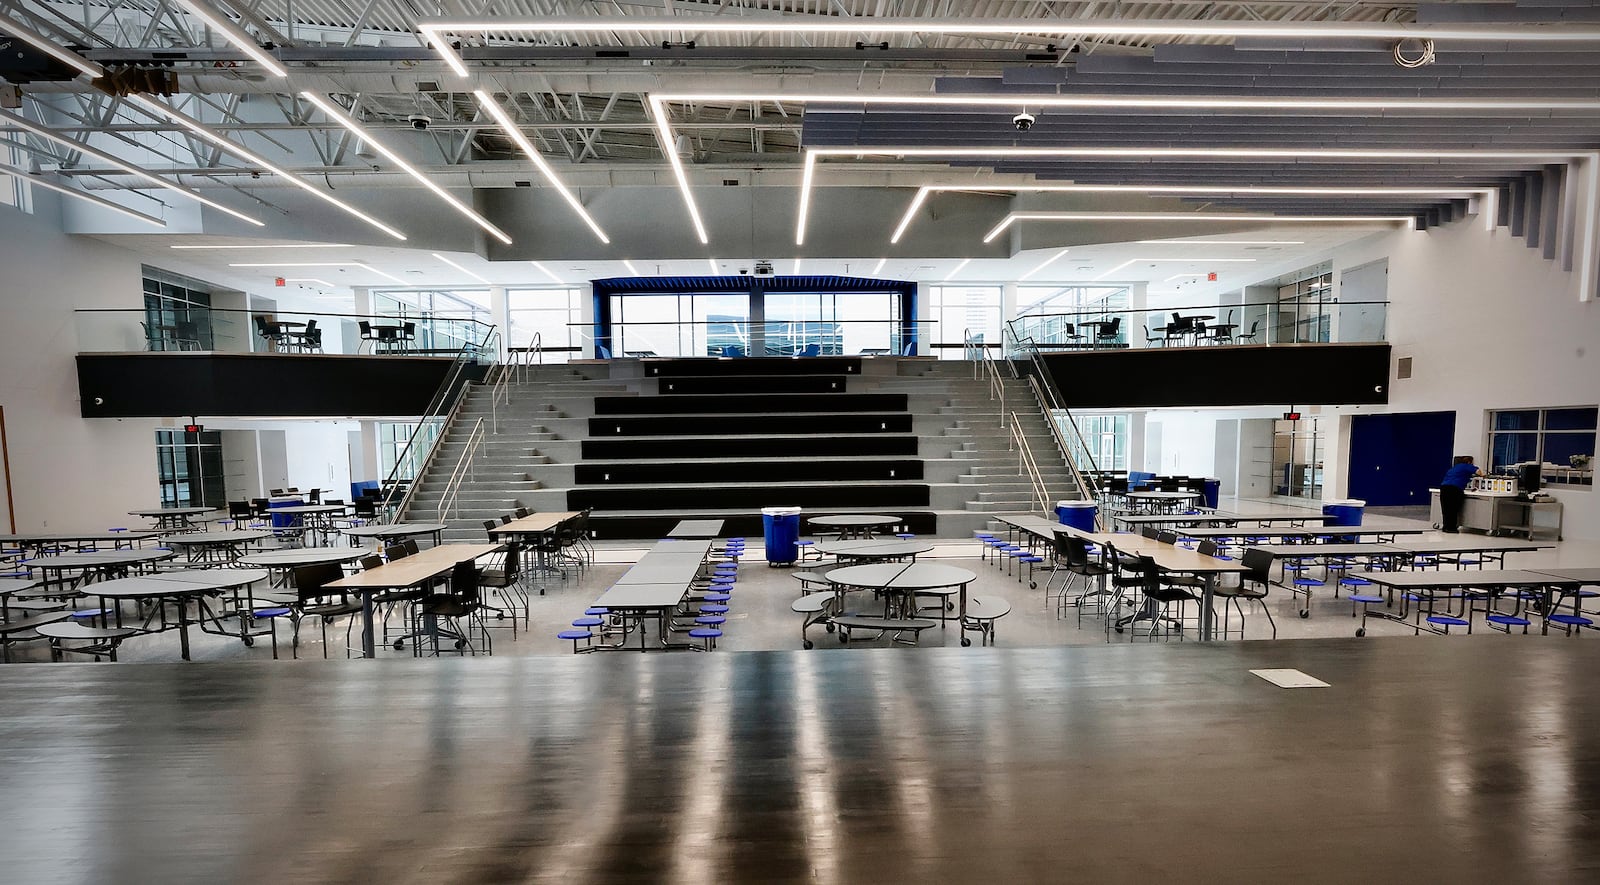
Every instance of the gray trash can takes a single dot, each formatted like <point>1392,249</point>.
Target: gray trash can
<point>781,526</point>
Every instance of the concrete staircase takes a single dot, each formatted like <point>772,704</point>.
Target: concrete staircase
<point>969,465</point>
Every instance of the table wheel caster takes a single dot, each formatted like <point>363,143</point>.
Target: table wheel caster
<point>461,644</point>
<point>949,606</point>
<point>828,627</point>
<point>1033,585</point>
<point>965,642</point>
<point>541,591</point>
<point>499,616</point>
<point>844,638</point>
<point>1360,632</point>
<point>806,644</point>
<point>249,641</point>
<point>1305,613</point>
<point>399,645</point>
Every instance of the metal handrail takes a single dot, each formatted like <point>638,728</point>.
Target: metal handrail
<point>465,466</point>
<point>391,509</point>
<point>1044,390</point>
<point>500,390</point>
<point>1026,462</point>
<point>997,387</point>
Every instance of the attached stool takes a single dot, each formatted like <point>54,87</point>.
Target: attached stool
<point>709,635</point>
<point>575,636</point>
<point>1445,621</point>
<point>1568,622</point>
<point>271,616</point>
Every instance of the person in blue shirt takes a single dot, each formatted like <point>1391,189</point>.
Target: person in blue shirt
<point>1453,491</point>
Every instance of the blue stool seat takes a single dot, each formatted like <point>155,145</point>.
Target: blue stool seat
<point>264,613</point>
<point>587,622</point>
<point>717,597</point>
<point>724,579</point>
<point>86,614</point>
<point>597,610</point>
<point>575,636</point>
<point>710,620</point>
<point>905,536</point>
<point>1447,621</point>
<point>1507,620</point>
<point>1571,620</point>
<point>709,634</point>
<point>713,609</point>
<point>1355,582</point>
<point>1308,582</point>
<point>1366,598</point>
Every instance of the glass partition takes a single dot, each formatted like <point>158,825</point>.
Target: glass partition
<point>732,335</point>
<point>1290,321</point>
<point>165,327</point>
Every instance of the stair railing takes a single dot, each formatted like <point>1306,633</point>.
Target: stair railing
<point>500,392</point>
<point>986,366</point>
<point>1064,428</point>
<point>432,426</point>
<point>1028,465</point>
<point>465,467</point>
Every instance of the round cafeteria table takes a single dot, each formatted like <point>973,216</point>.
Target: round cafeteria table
<point>171,518</point>
<point>178,588</point>
<point>215,547</point>
<point>106,563</point>
<point>905,580</point>
<point>397,530</point>
<point>867,551</point>
<point>853,525</point>
<point>284,562</point>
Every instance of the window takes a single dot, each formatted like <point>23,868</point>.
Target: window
<point>189,469</point>
<point>177,312</point>
<point>957,311</point>
<point>1562,440</point>
<point>1050,315</point>
<point>552,314</point>
<point>447,319</point>
<point>393,439</point>
<point>15,191</point>
<point>1106,437</point>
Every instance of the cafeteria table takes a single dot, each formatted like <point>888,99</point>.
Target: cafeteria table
<point>853,525</point>
<point>314,518</point>
<point>285,561</point>
<point>905,580</point>
<point>697,528</point>
<point>1218,518</point>
<point>178,588</point>
<point>396,530</point>
<point>539,531</point>
<point>881,548</point>
<point>171,519</point>
<point>1157,500</point>
<point>38,540</point>
<point>9,586</point>
<point>1177,560</point>
<point>1474,582</point>
<point>412,571</point>
<point>89,566</point>
<point>215,547</point>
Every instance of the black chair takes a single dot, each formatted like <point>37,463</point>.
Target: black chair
<point>506,577</point>
<point>1222,333</point>
<point>1075,552</point>
<point>395,551</point>
<point>1253,585</point>
<point>260,507</point>
<point>459,608</point>
<point>1167,537</point>
<point>490,525</point>
<point>187,335</point>
<point>241,513</point>
<point>523,511</point>
<point>316,600</point>
<point>270,332</point>
<point>1255,327</point>
<point>367,335</point>
<point>408,335</point>
<point>1149,531</point>
<point>1161,594</point>
<point>1108,332</point>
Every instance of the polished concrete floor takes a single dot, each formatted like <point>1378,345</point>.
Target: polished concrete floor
<point>1424,761</point>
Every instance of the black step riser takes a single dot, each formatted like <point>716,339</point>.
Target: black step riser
<point>748,471</point>
<point>748,526</point>
<point>749,498</point>
<point>743,447</point>
<point>742,405</point>
<point>736,423</point>
<point>716,368</point>
<point>756,384</point>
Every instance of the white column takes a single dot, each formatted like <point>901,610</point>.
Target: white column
<point>500,315</point>
<point>1008,310</point>
<point>586,316</point>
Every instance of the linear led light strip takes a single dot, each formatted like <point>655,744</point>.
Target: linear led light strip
<point>356,264</point>
<point>925,190</point>
<point>958,269</point>
<point>28,126</point>
<point>546,271</point>
<point>510,128</point>
<point>338,115</point>
<point>1044,264</point>
<point>435,31</point>
<point>235,35</point>
<point>1015,217</point>
<point>269,246</point>
<point>462,269</point>
<point>323,283</point>
<point>808,177</point>
<point>50,47</point>
<point>102,202</point>
<point>1133,261</point>
<point>657,104</point>
<point>249,156</point>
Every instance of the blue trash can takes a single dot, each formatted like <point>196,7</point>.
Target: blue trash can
<point>781,526</point>
<point>1344,512</point>
<point>285,520</point>
<point>1212,490</point>
<point>1078,514</point>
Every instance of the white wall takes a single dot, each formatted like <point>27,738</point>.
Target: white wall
<point>67,472</point>
<point>1181,443</point>
<point>1489,324</point>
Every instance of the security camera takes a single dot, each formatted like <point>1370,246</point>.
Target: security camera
<point>419,122</point>
<point>1023,121</point>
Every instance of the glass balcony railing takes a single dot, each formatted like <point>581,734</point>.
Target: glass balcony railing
<point>737,337</point>
<point>1209,325</point>
<point>277,331</point>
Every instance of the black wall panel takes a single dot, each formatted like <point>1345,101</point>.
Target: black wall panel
<point>747,447</point>
<point>1283,374</point>
<point>713,404</point>
<point>174,385</point>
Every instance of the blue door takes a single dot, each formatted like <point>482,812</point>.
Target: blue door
<point>1394,459</point>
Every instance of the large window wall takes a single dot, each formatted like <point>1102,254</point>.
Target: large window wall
<point>177,312</point>
<point>439,307</point>
<point>719,324</point>
<point>189,469</point>
<point>1560,440</point>
<point>551,314</point>
<point>961,311</point>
